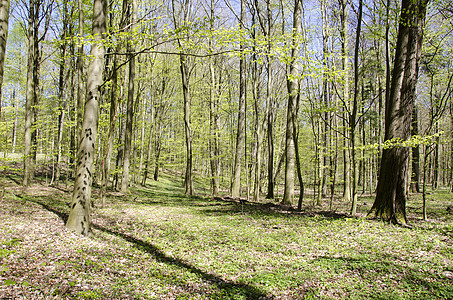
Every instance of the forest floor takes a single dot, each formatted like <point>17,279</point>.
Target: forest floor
<point>156,243</point>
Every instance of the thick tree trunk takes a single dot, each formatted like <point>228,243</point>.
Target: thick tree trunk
<point>79,216</point>
<point>292,84</point>
<point>391,196</point>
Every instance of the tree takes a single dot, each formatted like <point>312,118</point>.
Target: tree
<point>79,216</point>
<point>391,195</point>
<point>213,115</point>
<point>130,103</point>
<point>235,189</point>
<point>293,89</point>
<point>4,17</point>
<point>185,78</point>
<point>32,87</point>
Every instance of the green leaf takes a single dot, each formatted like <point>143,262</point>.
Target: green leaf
<point>9,282</point>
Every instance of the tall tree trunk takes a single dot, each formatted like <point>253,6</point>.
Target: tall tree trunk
<point>259,127</point>
<point>293,88</point>
<point>79,216</point>
<point>185,78</point>
<point>80,86</point>
<point>344,55</point>
<point>390,202</point>
<point>213,138</point>
<point>31,94</point>
<point>236,186</point>
<point>270,109</point>
<point>61,96</point>
<point>353,115</point>
<point>188,179</point>
<point>130,105</point>
<point>4,19</point>
<point>152,125</point>
<point>326,97</point>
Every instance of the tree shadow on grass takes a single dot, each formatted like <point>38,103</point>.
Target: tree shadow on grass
<point>266,209</point>
<point>408,278</point>
<point>226,287</point>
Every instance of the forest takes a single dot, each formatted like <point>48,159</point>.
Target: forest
<point>226,149</point>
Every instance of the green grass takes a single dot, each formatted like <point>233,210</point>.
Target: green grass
<point>156,243</point>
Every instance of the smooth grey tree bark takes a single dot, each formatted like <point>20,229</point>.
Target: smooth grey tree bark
<point>79,215</point>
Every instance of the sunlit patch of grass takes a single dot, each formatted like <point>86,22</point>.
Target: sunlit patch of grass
<point>156,243</point>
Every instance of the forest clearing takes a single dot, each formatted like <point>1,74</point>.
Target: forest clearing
<point>157,243</point>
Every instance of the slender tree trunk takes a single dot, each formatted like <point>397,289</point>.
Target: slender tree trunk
<point>293,88</point>
<point>16,119</point>
<point>299,169</point>
<point>61,96</point>
<point>325,96</point>
<point>415,178</point>
<point>270,110</point>
<point>144,104</point>
<point>236,186</point>
<point>451,147</point>
<point>185,78</point>
<point>345,66</point>
<point>157,149</point>
<point>130,105</point>
<point>188,179</point>
<point>79,216</point>
<point>259,129</point>
<point>353,116</point>
<point>150,137</point>
<point>213,139</point>
<point>152,125</point>
<point>436,158</point>
<point>31,94</point>
<point>390,202</point>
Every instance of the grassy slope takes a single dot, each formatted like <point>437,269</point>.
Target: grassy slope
<point>155,243</point>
